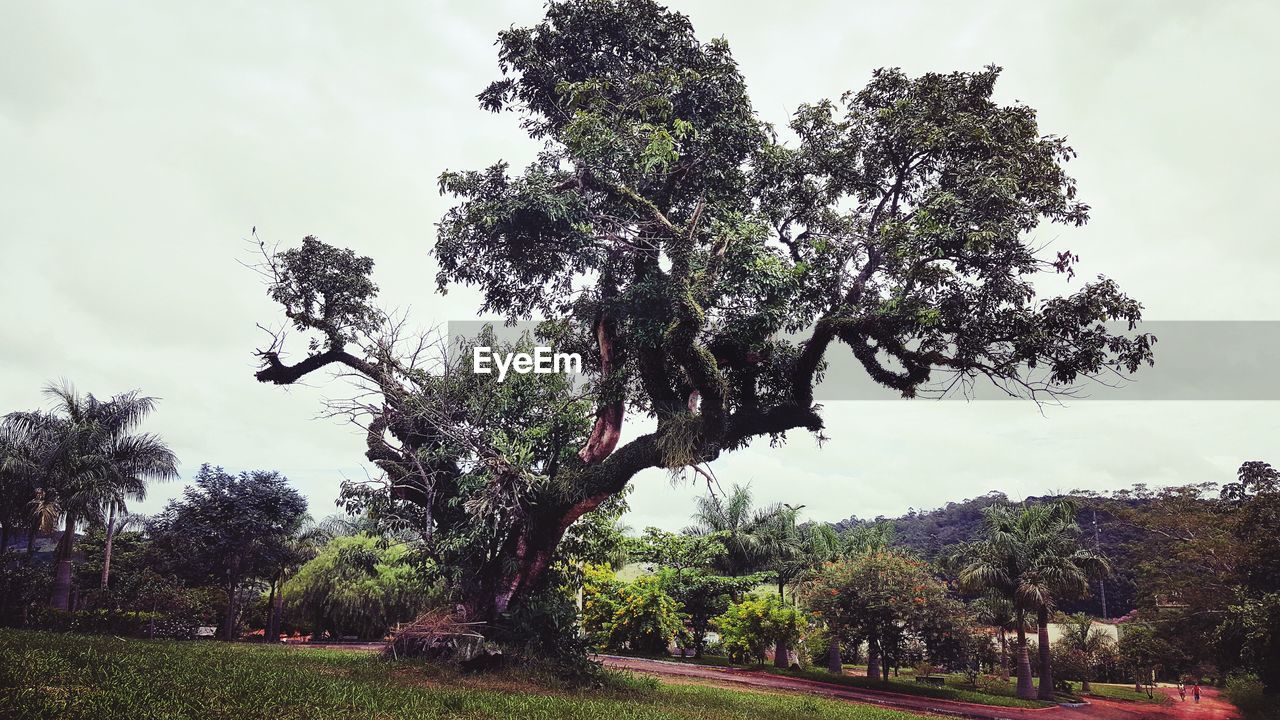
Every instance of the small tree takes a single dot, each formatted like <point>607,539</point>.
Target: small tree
<point>1085,645</point>
<point>879,597</point>
<point>748,628</point>
<point>357,585</point>
<point>1143,653</point>
<point>645,618</point>
<point>703,595</point>
<point>225,530</point>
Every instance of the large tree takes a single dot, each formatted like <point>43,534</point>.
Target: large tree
<point>706,269</point>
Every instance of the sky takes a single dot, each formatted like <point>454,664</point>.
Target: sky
<point>140,142</point>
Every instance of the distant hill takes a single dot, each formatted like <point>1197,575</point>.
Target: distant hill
<point>929,533</point>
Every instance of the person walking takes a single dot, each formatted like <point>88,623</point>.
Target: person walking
<point>1182,690</point>
<point>1195,692</point>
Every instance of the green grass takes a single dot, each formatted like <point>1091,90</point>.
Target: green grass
<point>72,677</point>
<point>1125,692</point>
<point>999,694</point>
<point>993,693</point>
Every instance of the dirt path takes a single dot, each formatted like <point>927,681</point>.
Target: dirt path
<point>1210,707</point>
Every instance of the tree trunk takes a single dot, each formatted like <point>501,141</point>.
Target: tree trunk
<point>1046,657</point>
<point>106,552</point>
<point>271,615</point>
<point>834,664</point>
<point>275,611</point>
<point>1004,656</point>
<point>229,625</point>
<point>873,660</point>
<point>31,540</point>
<point>1025,689</point>
<point>780,654</point>
<point>1084,685</point>
<point>61,597</point>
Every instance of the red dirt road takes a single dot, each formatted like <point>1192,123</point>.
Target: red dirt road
<point>1211,707</point>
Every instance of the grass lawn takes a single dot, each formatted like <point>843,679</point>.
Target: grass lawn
<point>1125,692</point>
<point>65,676</point>
<point>999,694</point>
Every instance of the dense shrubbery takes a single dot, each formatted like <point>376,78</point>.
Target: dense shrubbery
<point>107,622</point>
<point>751,628</point>
<point>356,585</point>
<point>637,616</point>
<point>22,586</point>
<point>1249,694</point>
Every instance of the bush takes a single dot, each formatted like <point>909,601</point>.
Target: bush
<point>105,622</point>
<point>646,618</point>
<point>1245,690</point>
<point>357,586</point>
<point>638,615</point>
<point>22,588</point>
<point>601,596</point>
<point>749,628</point>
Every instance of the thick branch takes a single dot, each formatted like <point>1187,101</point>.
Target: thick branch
<point>281,374</point>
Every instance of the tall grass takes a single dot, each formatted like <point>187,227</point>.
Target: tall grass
<point>74,677</point>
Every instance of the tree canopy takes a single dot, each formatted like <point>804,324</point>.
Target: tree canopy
<point>228,530</point>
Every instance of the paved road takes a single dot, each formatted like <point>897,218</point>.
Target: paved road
<point>1210,707</point>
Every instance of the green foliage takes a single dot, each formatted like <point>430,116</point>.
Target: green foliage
<point>879,597</point>
<point>665,232</point>
<point>1247,692</point>
<point>1208,569</point>
<point>22,587</point>
<point>357,585</point>
<point>109,622</point>
<point>638,615</point>
<point>1143,653</point>
<point>324,288</point>
<point>601,599</point>
<point>739,525</point>
<point>703,595</point>
<point>227,530</point>
<point>748,629</point>
<point>1081,649</point>
<point>678,551</point>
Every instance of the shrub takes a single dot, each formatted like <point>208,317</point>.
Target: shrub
<point>646,618</point>
<point>1246,691</point>
<point>601,596</point>
<point>22,588</point>
<point>105,622</point>
<point>357,585</point>
<point>749,628</point>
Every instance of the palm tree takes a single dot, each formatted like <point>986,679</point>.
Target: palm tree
<point>739,524</point>
<point>22,500</point>
<point>1032,557</point>
<point>1079,636</point>
<point>997,611</point>
<point>93,461</point>
<point>115,524</point>
<point>866,538</point>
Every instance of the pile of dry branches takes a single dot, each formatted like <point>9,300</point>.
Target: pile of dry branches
<point>437,634</point>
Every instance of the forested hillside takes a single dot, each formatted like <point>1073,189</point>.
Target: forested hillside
<point>929,533</point>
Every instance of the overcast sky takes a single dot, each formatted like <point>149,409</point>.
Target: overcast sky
<point>140,141</point>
